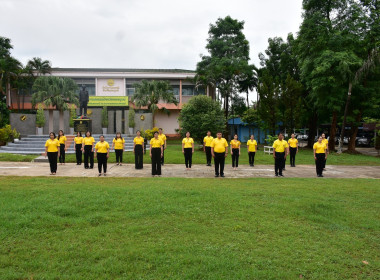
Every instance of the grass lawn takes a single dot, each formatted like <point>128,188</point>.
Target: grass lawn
<point>168,228</point>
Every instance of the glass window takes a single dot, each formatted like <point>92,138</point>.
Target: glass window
<point>187,90</point>
<point>89,88</point>
<point>130,90</point>
<point>176,90</point>
<point>200,91</point>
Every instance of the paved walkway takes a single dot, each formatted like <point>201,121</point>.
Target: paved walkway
<point>178,170</point>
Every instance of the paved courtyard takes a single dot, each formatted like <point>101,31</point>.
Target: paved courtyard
<point>179,170</point>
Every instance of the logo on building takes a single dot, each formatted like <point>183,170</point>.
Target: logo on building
<point>110,82</point>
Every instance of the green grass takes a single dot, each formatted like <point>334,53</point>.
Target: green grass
<point>14,157</point>
<point>168,228</point>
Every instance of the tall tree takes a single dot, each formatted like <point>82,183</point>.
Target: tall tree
<point>249,82</point>
<point>38,67</point>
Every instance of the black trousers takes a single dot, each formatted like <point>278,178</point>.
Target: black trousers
<point>319,162</point>
<point>102,162</point>
<point>251,156</point>
<point>219,160</point>
<point>78,153</point>
<point>208,154</point>
<point>293,152</point>
<point>88,153</point>
<point>235,157</point>
<point>156,161</point>
<point>324,164</point>
<point>119,155</point>
<point>62,153</point>
<point>139,159</point>
<point>188,156</point>
<point>52,156</point>
<point>279,163</point>
<point>163,154</point>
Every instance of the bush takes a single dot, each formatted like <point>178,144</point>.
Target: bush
<point>270,139</point>
<point>149,133</point>
<point>104,117</point>
<point>40,117</point>
<point>7,134</point>
<point>73,116</point>
<point>131,118</point>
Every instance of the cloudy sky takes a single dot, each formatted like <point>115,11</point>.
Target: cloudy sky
<point>136,33</point>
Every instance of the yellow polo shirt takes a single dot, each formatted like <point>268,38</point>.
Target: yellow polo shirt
<point>88,140</point>
<point>293,143</point>
<point>78,140</point>
<point>156,143</point>
<point>52,145</point>
<point>251,145</point>
<point>62,139</point>
<point>219,145</point>
<point>118,143</point>
<point>138,140</point>
<point>235,144</point>
<point>208,140</point>
<point>326,142</point>
<point>188,142</point>
<point>162,137</point>
<point>102,147</point>
<point>280,146</point>
<point>320,148</point>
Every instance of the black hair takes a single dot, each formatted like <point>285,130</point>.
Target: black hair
<point>280,134</point>
<point>88,132</point>
<point>219,132</point>
<point>155,132</point>
<point>236,135</point>
<point>138,131</point>
<point>60,135</point>
<point>80,134</point>
<point>52,133</point>
<point>160,128</point>
<point>252,135</point>
<point>101,135</point>
<point>121,137</point>
<point>187,132</point>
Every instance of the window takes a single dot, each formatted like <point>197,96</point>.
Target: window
<point>176,90</point>
<point>130,90</point>
<point>89,87</point>
<point>187,90</point>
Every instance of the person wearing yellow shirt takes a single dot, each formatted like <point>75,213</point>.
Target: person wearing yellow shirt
<point>207,140</point>
<point>324,140</point>
<point>52,152</point>
<point>78,140</point>
<point>219,151</point>
<point>102,153</point>
<point>320,155</point>
<point>188,150</point>
<point>156,152</point>
<point>235,151</point>
<point>119,144</point>
<point>62,146</point>
<point>280,151</point>
<point>252,148</point>
<point>162,137</point>
<point>138,150</point>
<point>293,149</point>
<point>88,148</point>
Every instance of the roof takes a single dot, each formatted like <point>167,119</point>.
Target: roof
<point>128,70</point>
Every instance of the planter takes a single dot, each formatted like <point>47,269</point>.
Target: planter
<point>105,130</point>
<point>131,130</point>
<point>71,130</point>
<point>40,130</point>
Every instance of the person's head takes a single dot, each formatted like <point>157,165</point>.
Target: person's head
<point>61,133</point>
<point>187,134</point>
<point>160,130</point>
<point>280,136</point>
<point>155,134</point>
<point>236,137</point>
<point>138,133</point>
<point>88,134</point>
<point>101,138</point>
<point>52,135</point>
<point>293,135</point>
<point>320,138</point>
<point>79,134</point>
<point>252,136</point>
<point>118,135</point>
<point>209,133</point>
<point>219,134</point>
<point>323,136</point>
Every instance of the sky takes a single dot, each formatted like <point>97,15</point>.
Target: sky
<point>161,34</point>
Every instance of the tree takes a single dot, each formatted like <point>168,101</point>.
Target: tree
<point>227,62</point>
<point>199,115</point>
<point>150,93</point>
<point>38,67</point>
<point>55,92</point>
<point>249,82</point>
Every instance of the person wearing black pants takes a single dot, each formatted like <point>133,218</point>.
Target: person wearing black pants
<point>293,149</point>
<point>156,151</point>
<point>280,151</point>
<point>188,150</point>
<point>207,140</point>
<point>62,142</point>
<point>235,151</point>
<point>138,150</point>
<point>78,140</point>
<point>119,144</point>
<point>326,142</point>
<point>219,151</point>
<point>87,148</point>
<point>102,153</point>
<point>320,155</point>
<point>162,137</point>
<point>251,148</point>
<point>52,152</point>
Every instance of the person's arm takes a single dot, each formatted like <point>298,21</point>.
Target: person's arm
<point>231,150</point>
<point>162,150</point>
<point>92,147</point>
<point>150,150</point>
<point>165,145</point>
<point>59,151</point>
<point>193,147</point>
<point>326,153</point>
<point>274,153</point>
<point>239,149</point>
<point>46,148</point>
<point>212,152</point>
<point>204,146</point>
<point>286,152</point>
<point>113,145</point>
<point>183,147</point>
<point>256,148</point>
<point>297,148</point>
<point>225,155</point>
<point>123,145</point>
<point>65,143</point>
<point>108,152</point>
<point>247,148</point>
<point>82,145</point>
<point>134,146</point>
<point>95,151</point>
<point>315,157</point>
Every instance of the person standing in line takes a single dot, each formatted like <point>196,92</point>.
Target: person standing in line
<point>118,144</point>
<point>138,150</point>
<point>293,149</point>
<point>62,148</point>
<point>207,140</point>
<point>78,140</point>
<point>320,155</point>
<point>162,137</point>
<point>88,148</point>
<point>326,142</point>
<point>156,153</point>
<point>102,153</point>
<point>235,151</point>
<point>280,151</point>
<point>52,152</point>
<point>188,150</point>
<point>251,147</point>
<point>219,151</point>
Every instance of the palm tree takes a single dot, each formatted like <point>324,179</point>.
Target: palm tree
<point>9,68</point>
<point>38,66</point>
<point>150,93</point>
<point>56,92</point>
<point>250,82</point>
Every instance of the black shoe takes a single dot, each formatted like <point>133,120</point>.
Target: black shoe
<point>216,175</point>
<point>321,175</point>
<point>222,175</point>
<point>275,175</point>
<point>86,167</point>
<point>281,175</point>
<point>284,169</point>
<point>318,175</point>
<point>91,167</point>
<point>251,165</point>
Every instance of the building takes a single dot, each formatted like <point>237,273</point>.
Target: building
<point>114,87</point>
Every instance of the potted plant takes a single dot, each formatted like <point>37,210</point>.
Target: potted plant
<point>131,120</point>
<point>104,119</point>
<point>40,119</point>
<point>71,120</point>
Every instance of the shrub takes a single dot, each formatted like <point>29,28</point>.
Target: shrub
<point>131,118</point>
<point>104,117</point>
<point>270,139</point>
<point>7,134</point>
<point>149,133</point>
<point>40,117</point>
<point>72,116</point>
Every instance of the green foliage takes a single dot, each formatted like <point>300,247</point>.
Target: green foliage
<point>4,112</point>
<point>73,115</point>
<point>270,139</point>
<point>251,117</point>
<point>37,67</point>
<point>104,117</point>
<point>7,134</point>
<point>131,118</point>
<point>199,115</point>
<point>40,116</point>
<point>149,133</point>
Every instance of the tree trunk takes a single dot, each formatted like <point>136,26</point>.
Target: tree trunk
<point>333,131</point>
<point>354,133</point>
<point>247,99</point>
<point>345,117</point>
<point>312,128</point>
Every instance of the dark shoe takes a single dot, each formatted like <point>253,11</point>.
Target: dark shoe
<point>275,175</point>
<point>222,175</point>
<point>216,175</point>
<point>321,175</point>
<point>251,165</point>
<point>281,175</point>
<point>86,168</point>
<point>284,169</point>
<point>91,167</point>
<point>100,174</point>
